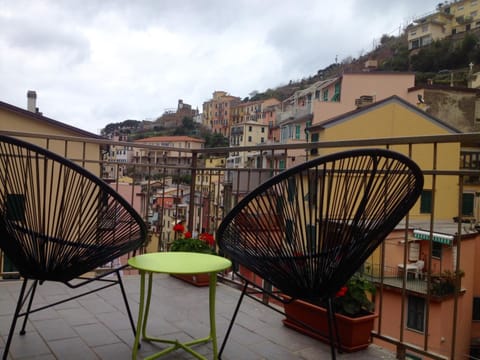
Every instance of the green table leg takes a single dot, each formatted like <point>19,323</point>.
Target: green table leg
<point>140,315</point>
<point>213,326</point>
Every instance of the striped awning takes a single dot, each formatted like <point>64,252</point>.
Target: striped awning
<point>440,238</point>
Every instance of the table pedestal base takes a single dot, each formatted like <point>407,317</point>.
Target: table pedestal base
<point>143,317</point>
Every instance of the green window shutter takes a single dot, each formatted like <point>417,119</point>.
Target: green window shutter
<point>314,139</point>
<point>426,202</point>
<point>297,132</point>
<point>281,164</point>
<point>291,189</point>
<point>311,243</point>
<point>468,200</point>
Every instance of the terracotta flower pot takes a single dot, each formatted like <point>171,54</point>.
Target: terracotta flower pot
<point>354,333</point>
<point>194,279</point>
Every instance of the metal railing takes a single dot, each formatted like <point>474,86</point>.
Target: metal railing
<point>168,184</point>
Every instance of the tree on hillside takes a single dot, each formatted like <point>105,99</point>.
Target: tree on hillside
<point>216,140</point>
<point>188,123</point>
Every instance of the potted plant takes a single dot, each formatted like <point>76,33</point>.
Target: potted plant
<point>205,243</point>
<point>354,316</point>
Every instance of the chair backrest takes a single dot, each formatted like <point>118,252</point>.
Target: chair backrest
<point>308,229</point>
<point>420,264</point>
<point>57,220</point>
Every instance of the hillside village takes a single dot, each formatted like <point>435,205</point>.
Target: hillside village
<point>193,165</point>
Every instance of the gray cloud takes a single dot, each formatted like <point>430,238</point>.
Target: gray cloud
<point>100,61</point>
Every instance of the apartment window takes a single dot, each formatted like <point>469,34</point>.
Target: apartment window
<point>468,201</point>
<point>436,250</point>
<point>473,14</point>
<point>249,128</point>
<point>325,95</point>
<point>460,8</point>
<point>297,132</point>
<point>263,129</point>
<point>425,28</point>
<point>262,140</point>
<point>413,33</point>
<point>476,309</point>
<point>249,139</point>
<point>454,31</point>
<point>314,139</point>
<point>416,313</point>
<point>426,202</point>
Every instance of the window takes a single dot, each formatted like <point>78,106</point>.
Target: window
<point>436,250</point>
<point>297,132</point>
<point>263,129</point>
<point>426,202</point>
<point>314,139</point>
<point>325,95</point>
<point>416,313</point>
<point>250,128</point>
<point>262,140</point>
<point>249,139</point>
<point>468,201</point>
<point>476,309</point>
<point>425,28</point>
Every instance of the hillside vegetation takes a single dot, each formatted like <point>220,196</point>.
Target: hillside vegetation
<point>444,61</point>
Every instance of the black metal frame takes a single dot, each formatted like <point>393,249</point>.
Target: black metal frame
<point>55,227</point>
<point>308,229</point>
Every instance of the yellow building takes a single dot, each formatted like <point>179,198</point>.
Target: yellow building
<point>217,112</point>
<point>33,122</point>
<point>48,133</point>
<point>449,18</point>
<point>393,118</point>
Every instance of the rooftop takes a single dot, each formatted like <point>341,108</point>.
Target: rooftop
<point>96,326</point>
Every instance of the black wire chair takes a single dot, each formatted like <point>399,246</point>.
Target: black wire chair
<point>58,222</point>
<point>307,230</point>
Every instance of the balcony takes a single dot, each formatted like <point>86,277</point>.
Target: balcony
<point>262,334</point>
<point>96,327</point>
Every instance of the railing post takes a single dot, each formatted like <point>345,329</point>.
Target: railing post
<point>191,205</point>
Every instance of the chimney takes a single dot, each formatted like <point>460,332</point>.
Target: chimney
<point>32,101</point>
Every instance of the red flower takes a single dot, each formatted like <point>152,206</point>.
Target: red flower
<point>179,228</point>
<point>188,235</point>
<point>208,238</point>
<point>341,293</point>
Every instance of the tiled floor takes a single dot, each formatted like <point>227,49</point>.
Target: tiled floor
<point>96,326</point>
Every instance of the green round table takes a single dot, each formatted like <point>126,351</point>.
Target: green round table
<point>176,263</point>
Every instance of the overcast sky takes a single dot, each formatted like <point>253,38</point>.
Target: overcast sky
<point>95,62</point>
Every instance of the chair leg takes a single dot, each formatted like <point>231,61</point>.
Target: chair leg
<point>233,320</point>
<point>30,301</point>
<point>331,327</point>
<point>15,317</point>
<point>124,294</point>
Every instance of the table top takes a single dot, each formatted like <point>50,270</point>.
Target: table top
<point>179,262</point>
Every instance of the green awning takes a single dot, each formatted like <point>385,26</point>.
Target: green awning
<point>440,238</point>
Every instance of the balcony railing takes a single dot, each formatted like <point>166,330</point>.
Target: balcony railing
<point>202,191</point>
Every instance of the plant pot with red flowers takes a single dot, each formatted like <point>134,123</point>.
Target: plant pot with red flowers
<point>354,315</point>
<point>184,242</point>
